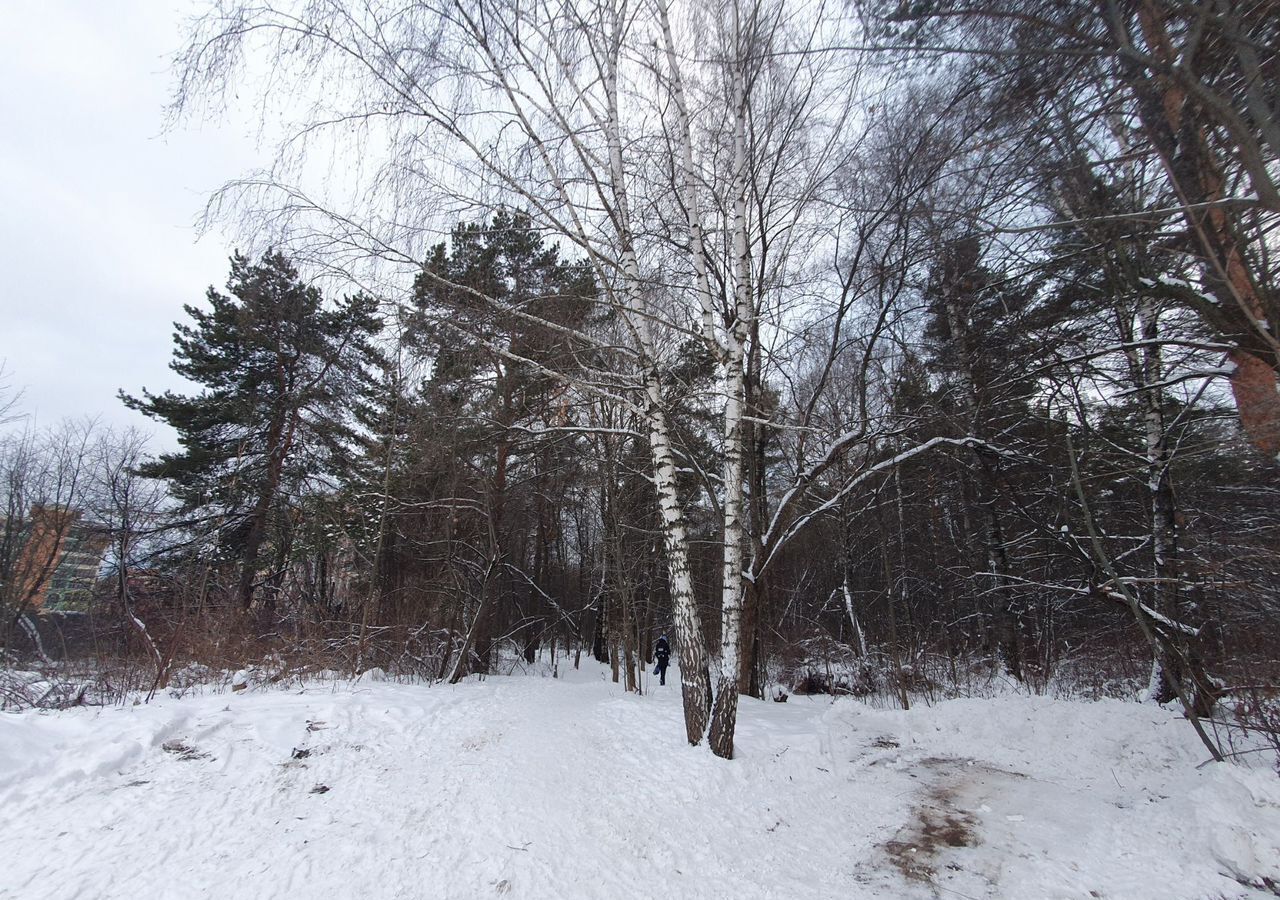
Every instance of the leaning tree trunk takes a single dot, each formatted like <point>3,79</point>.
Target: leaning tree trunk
<point>1244,308</point>
<point>463,665</point>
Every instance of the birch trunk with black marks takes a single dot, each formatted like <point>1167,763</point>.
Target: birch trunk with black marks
<point>690,646</point>
<point>1175,661</point>
<point>725,713</point>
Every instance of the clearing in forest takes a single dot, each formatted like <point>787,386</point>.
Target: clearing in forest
<point>569,788</point>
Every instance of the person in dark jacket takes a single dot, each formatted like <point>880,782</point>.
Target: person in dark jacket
<point>662,654</point>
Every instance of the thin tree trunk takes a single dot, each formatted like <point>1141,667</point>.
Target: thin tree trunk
<point>854,624</point>
<point>1007,633</point>
<point>279,442</point>
<point>724,715</point>
<point>462,665</point>
<point>694,680</point>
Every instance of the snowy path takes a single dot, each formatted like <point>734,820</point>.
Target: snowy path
<point>533,787</point>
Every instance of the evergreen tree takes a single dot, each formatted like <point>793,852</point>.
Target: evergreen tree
<point>275,365</point>
<point>497,311</point>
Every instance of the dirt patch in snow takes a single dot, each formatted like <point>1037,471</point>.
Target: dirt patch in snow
<point>183,750</point>
<point>939,824</point>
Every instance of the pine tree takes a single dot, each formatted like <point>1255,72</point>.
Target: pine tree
<point>274,363</point>
<point>497,311</point>
<point>982,330</point>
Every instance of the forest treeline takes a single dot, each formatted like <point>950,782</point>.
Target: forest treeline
<point>883,348</point>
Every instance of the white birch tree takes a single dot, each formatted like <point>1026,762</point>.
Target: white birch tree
<point>692,155</point>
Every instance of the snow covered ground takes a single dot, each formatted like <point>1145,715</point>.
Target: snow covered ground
<point>531,787</point>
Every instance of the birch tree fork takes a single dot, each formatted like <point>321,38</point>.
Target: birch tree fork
<point>729,349</point>
<point>748,196</point>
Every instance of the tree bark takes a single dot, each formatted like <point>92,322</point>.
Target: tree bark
<point>724,715</point>
<point>1244,311</point>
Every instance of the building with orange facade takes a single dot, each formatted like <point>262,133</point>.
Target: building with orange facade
<point>57,561</point>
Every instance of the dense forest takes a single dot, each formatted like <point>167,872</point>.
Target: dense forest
<point>892,349</point>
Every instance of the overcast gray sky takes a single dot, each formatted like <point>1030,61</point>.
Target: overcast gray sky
<point>97,246</point>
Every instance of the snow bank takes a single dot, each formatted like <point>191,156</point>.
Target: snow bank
<point>535,787</point>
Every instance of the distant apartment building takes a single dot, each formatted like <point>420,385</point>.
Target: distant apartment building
<point>56,559</point>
